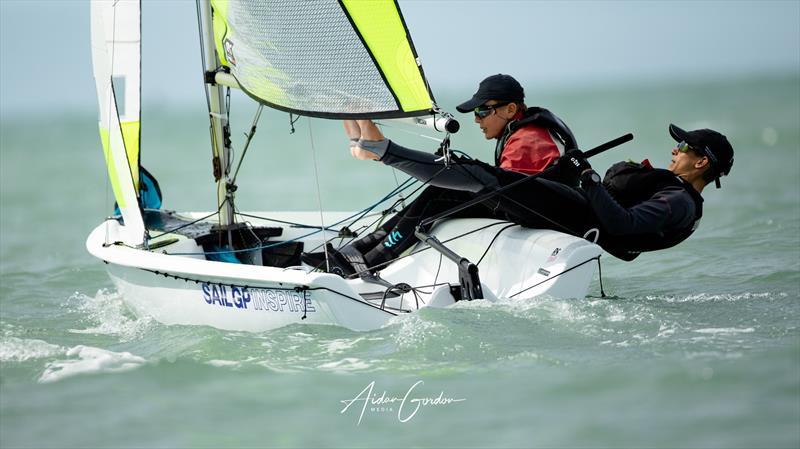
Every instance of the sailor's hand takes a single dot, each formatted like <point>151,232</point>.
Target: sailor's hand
<point>574,161</point>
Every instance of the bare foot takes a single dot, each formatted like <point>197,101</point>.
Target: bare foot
<point>362,154</point>
<point>369,131</point>
<point>352,129</point>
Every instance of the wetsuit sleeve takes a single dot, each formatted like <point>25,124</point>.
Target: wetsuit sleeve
<point>529,150</point>
<point>669,209</point>
<point>428,167</point>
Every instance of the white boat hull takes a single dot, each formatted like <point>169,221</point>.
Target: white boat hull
<point>186,289</point>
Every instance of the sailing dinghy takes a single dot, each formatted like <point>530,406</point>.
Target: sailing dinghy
<point>241,270</point>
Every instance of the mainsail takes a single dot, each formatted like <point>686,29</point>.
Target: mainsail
<point>116,49</point>
<point>322,58</point>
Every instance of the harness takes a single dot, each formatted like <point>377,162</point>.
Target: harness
<point>542,118</point>
<point>630,184</point>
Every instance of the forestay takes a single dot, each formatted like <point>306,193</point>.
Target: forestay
<point>333,59</point>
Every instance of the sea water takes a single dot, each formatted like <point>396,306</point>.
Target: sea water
<point>695,346</point>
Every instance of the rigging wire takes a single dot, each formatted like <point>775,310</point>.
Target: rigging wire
<point>247,142</point>
<point>383,124</point>
<point>186,225</point>
<point>108,116</point>
<point>319,192</point>
<point>383,264</point>
<point>202,50</point>
<point>555,276</point>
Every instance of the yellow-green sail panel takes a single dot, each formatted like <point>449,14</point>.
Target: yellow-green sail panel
<point>323,58</point>
<point>130,136</point>
<point>219,10</point>
<point>383,31</point>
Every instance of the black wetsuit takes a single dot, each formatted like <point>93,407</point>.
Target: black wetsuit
<point>448,187</point>
<point>664,213</point>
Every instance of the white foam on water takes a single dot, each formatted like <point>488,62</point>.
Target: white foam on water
<point>272,366</point>
<point>724,330</point>
<point>708,297</point>
<point>223,363</point>
<point>109,311</point>
<point>13,349</point>
<point>88,359</point>
<point>413,330</point>
<point>347,364</point>
<point>524,355</point>
<point>219,363</point>
<point>704,355</point>
<point>339,345</point>
<point>528,308</point>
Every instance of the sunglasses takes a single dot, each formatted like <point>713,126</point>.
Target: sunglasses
<point>683,147</point>
<point>484,111</point>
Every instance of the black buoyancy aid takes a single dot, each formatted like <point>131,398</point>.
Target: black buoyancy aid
<point>542,118</point>
<point>632,183</point>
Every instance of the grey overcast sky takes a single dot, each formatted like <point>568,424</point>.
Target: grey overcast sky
<point>45,58</point>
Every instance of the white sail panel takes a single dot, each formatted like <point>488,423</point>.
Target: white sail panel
<point>116,50</point>
<point>312,58</point>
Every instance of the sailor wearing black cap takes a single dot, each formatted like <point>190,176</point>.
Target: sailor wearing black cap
<point>528,141</point>
<point>639,208</point>
<point>636,207</point>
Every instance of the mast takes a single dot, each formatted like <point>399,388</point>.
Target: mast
<point>220,131</point>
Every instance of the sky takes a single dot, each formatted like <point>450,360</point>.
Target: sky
<point>45,57</point>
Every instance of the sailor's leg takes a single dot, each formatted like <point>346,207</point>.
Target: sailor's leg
<point>431,201</point>
<point>428,167</point>
<point>545,204</point>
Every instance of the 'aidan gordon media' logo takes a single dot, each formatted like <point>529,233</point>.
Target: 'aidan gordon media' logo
<point>407,406</point>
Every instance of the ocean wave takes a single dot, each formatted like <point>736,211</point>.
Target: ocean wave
<point>13,349</point>
<point>111,316</point>
<point>88,359</point>
<point>724,330</point>
<point>347,364</point>
<point>413,330</point>
<point>721,297</point>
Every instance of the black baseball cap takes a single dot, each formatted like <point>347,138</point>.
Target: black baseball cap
<point>496,87</point>
<point>709,143</point>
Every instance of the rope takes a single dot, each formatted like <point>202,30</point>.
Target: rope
<point>285,242</point>
<point>600,275</point>
<point>247,142</point>
<point>319,195</point>
<point>191,222</point>
<point>382,264</point>
<point>492,242</point>
<point>108,181</point>
<point>409,132</point>
<point>553,277</point>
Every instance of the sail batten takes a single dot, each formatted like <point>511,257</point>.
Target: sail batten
<point>333,59</point>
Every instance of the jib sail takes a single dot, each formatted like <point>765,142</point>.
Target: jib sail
<point>116,55</point>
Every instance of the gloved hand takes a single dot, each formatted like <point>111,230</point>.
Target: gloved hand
<point>574,161</point>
